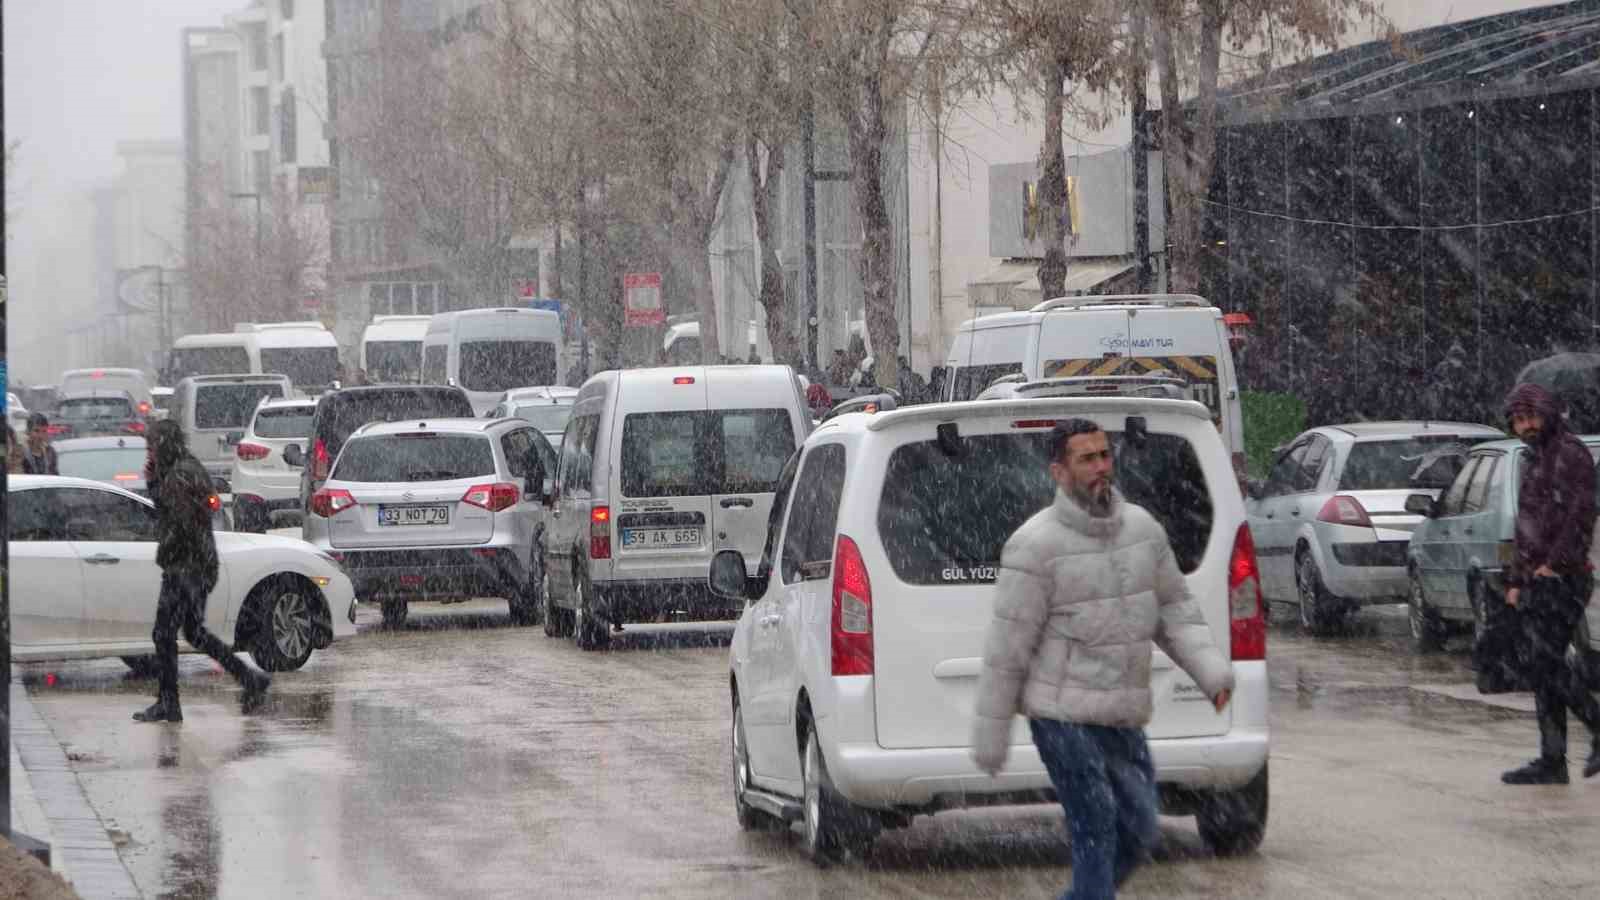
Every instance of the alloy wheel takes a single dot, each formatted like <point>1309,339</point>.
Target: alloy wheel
<point>291,624</point>
<point>1305,584</point>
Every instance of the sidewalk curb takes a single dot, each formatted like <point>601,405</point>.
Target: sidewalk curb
<point>80,849</point>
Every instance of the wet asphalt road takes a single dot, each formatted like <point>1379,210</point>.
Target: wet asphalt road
<point>466,757</point>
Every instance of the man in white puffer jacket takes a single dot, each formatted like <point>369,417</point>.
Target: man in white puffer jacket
<point>1085,586</point>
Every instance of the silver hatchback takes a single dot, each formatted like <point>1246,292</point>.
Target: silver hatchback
<point>443,509</point>
<point>1330,522</point>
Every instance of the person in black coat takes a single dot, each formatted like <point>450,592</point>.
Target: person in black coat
<point>187,553</point>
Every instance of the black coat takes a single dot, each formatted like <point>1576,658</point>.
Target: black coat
<point>184,541</point>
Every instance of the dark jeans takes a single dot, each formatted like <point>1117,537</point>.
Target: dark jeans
<point>183,609</point>
<point>1107,784</point>
<point>1550,609</point>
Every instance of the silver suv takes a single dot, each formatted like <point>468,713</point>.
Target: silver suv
<point>442,509</point>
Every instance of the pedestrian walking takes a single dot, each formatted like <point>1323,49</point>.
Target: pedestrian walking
<point>1091,579</point>
<point>1549,580</point>
<point>38,457</point>
<point>186,551</point>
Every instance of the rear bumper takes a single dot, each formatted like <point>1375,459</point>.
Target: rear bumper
<point>634,601</point>
<point>433,574</point>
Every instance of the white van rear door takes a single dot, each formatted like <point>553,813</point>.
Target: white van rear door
<point>755,426</point>
<point>663,483</point>
<point>1135,341</point>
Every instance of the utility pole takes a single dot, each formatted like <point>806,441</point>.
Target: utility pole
<point>808,154</point>
<point>582,200</point>
<point>1141,154</point>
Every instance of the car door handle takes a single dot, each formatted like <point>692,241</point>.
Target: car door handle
<point>1295,513</point>
<point>101,559</point>
<point>731,502</point>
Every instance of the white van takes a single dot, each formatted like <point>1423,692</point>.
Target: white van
<point>680,346</point>
<point>130,381</point>
<point>487,352</point>
<point>307,352</point>
<point>224,353</point>
<point>659,469</point>
<point>215,410</point>
<point>391,349</point>
<point>1177,335</point>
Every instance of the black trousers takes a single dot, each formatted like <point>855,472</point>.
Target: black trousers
<point>1550,609</point>
<point>182,609</point>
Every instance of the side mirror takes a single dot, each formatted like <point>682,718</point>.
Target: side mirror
<point>1422,505</point>
<point>294,456</point>
<point>730,580</point>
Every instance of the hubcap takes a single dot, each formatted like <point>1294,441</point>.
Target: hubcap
<point>741,762</point>
<point>1305,581</point>
<point>291,625</point>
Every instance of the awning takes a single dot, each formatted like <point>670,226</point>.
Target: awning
<point>1015,282</point>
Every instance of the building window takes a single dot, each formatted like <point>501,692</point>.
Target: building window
<point>261,163</point>
<point>260,111</point>
<point>279,68</point>
<point>287,135</point>
<point>256,37</point>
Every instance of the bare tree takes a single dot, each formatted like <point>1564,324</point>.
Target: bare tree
<point>247,267</point>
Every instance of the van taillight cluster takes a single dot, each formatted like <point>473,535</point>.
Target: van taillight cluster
<point>600,532</point>
<point>852,611</point>
<point>321,462</point>
<point>1247,615</point>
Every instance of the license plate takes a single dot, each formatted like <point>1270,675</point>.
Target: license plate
<point>413,515</point>
<point>659,538</point>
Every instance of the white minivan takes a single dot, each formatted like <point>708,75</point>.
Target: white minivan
<point>487,352</point>
<point>215,411</point>
<point>1178,335</point>
<point>391,349</point>
<point>659,469</point>
<point>306,352</point>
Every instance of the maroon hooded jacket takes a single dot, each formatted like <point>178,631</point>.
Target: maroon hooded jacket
<point>1556,504</point>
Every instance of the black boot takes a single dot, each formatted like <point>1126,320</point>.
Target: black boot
<point>1543,770</point>
<point>255,692</point>
<point>164,710</point>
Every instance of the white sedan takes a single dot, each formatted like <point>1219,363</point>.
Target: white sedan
<point>84,581</point>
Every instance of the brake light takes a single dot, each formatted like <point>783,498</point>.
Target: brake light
<point>328,503</point>
<point>1247,618</point>
<point>127,476</point>
<point>133,428</point>
<point>852,611</point>
<point>57,429</point>
<point>493,497</point>
<point>97,374</point>
<point>1034,423</point>
<point>600,532</point>
<point>321,464</point>
<point>1343,510</point>
<point>144,408</point>
<point>250,452</point>
<point>214,502</point>
<point>683,379</point>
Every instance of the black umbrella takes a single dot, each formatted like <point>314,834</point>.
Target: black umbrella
<point>1575,380</point>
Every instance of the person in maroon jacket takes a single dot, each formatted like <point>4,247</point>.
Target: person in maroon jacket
<point>1548,581</point>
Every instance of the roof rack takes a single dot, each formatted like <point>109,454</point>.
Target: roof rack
<point>1092,385</point>
<point>1168,300</point>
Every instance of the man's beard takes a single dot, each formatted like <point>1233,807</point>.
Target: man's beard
<point>1096,500</point>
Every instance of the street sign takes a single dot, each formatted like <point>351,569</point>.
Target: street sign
<point>641,299</point>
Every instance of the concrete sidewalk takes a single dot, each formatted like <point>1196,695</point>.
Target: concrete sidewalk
<point>48,803</point>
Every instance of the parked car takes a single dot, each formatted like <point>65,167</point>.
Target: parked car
<point>264,486</point>
<point>90,413</point>
<point>854,666</point>
<point>441,509</point>
<point>339,413</point>
<point>1330,521</point>
<point>84,581</point>
<point>1458,553</point>
<point>547,408</point>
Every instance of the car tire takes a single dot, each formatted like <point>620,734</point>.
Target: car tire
<point>394,613</point>
<point>285,625</point>
<point>590,634</point>
<point>1321,613</point>
<point>750,818</point>
<point>527,600</point>
<point>143,666</point>
<point>831,827</point>
<point>1234,823</point>
<point>1428,631</point>
<point>557,619</point>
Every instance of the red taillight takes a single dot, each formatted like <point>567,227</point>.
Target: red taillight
<point>328,503</point>
<point>321,464</point>
<point>600,532</point>
<point>1247,618</point>
<point>683,379</point>
<point>215,502</point>
<point>852,611</point>
<point>1342,510</point>
<point>248,452</point>
<point>57,429</point>
<point>144,408</point>
<point>1034,423</point>
<point>133,427</point>
<point>493,497</point>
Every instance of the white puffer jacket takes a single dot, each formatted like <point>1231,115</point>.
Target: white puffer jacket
<point>1077,604</point>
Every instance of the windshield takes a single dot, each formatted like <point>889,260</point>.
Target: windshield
<point>945,518</point>
<point>118,465</point>
<point>550,418</point>
<point>677,454</point>
<point>415,457</point>
<point>503,365</point>
<point>284,422</point>
<point>394,362</point>
<point>1404,464</point>
<point>230,405</point>
<point>85,408</point>
<point>207,361</point>
<point>305,366</point>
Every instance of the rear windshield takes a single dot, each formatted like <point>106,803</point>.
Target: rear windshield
<point>208,361</point>
<point>343,413</point>
<point>399,361</point>
<point>945,518</point>
<point>284,422</point>
<point>1422,462</point>
<point>702,452</point>
<point>415,457</point>
<point>547,417</point>
<point>503,365</point>
<point>118,465</point>
<point>230,405</point>
<point>95,408</point>
<point>306,366</point>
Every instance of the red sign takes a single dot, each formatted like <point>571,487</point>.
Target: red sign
<point>641,299</point>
